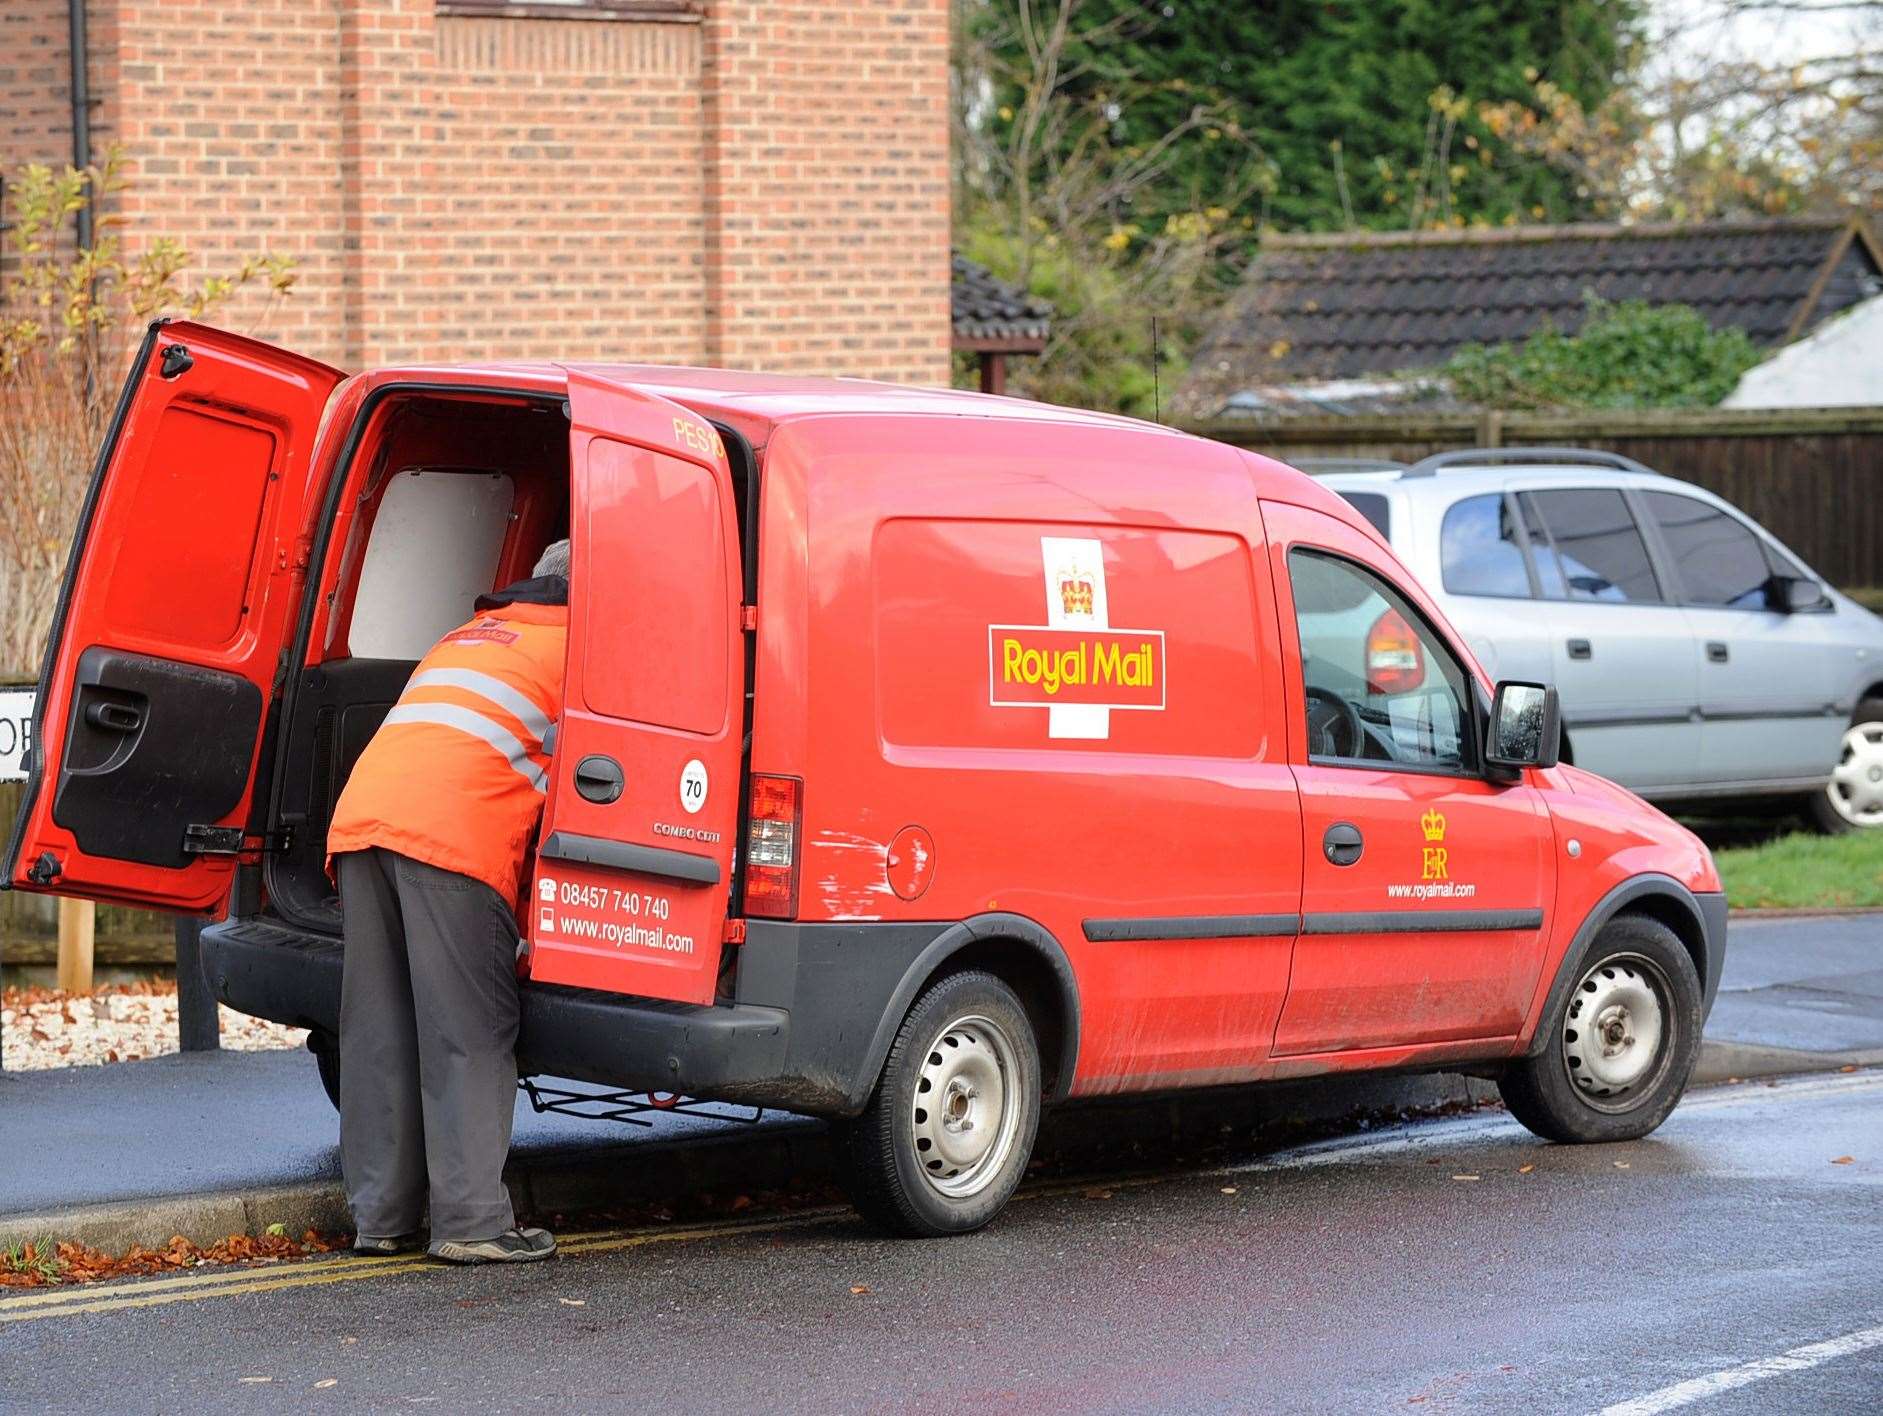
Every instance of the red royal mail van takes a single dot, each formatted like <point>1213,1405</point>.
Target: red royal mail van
<point>927,756</point>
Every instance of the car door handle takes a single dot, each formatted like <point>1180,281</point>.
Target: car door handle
<point>1581,649</point>
<point>1716,652</point>
<point>1343,843</point>
<point>599,779</point>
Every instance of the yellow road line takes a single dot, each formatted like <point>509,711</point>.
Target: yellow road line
<point>53,1303</point>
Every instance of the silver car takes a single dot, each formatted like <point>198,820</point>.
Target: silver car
<point>1696,657</point>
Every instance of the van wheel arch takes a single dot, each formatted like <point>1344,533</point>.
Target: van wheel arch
<point>1657,897</point>
<point>1021,953</point>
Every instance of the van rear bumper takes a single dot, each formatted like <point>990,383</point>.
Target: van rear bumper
<point>728,1053</point>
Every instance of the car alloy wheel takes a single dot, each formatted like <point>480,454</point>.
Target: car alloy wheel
<point>965,1113</point>
<point>1856,786</point>
<point>1617,1032</point>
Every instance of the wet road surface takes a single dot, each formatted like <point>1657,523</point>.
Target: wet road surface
<point>1418,1269</point>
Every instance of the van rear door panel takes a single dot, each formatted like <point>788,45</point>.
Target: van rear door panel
<point>184,576</point>
<point>636,864</point>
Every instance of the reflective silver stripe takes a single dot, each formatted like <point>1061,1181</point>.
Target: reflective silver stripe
<point>484,686</point>
<point>449,715</point>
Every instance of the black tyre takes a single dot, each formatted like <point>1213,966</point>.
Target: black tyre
<point>948,1131</point>
<point>1620,1046</point>
<point>326,1049</point>
<point>1853,801</point>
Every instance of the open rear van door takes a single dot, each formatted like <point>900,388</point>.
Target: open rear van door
<point>186,568</point>
<point>635,866</point>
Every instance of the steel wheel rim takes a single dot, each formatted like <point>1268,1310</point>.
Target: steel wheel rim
<point>1856,785</point>
<point>1618,1033</point>
<point>965,1114</point>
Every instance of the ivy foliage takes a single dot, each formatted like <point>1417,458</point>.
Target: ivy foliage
<point>1627,355</point>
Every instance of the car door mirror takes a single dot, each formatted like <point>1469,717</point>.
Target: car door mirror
<point>1792,594</point>
<point>1526,727</point>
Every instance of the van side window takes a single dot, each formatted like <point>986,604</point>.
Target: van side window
<point>1381,688</point>
<point>1597,545</point>
<point>1717,560</point>
<point>1479,549</point>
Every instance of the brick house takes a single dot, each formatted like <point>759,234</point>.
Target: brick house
<point>750,183</point>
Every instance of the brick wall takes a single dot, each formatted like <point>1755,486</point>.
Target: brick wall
<point>35,84</point>
<point>827,186</point>
<point>764,186</point>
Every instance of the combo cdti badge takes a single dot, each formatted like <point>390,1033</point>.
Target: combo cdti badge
<point>926,756</point>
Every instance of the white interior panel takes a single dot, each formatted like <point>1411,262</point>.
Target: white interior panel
<point>434,550</point>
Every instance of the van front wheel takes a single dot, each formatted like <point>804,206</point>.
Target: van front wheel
<point>1620,1046</point>
<point>948,1131</point>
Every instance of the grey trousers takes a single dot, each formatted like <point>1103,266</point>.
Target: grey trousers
<point>428,1030</point>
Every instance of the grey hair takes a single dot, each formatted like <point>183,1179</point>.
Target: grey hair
<point>554,560</point>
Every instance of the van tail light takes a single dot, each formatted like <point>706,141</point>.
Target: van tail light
<point>771,846</point>
<point>1394,661</point>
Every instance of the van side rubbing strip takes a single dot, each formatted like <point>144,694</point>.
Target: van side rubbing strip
<point>620,855</point>
<point>1421,922</point>
<point>1259,926</point>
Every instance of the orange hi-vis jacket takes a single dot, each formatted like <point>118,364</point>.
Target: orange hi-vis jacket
<point>455,777</point>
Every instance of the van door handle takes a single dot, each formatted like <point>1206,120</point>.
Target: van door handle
<point>1581,649</point>
<point>114,717</point>
<point>1343,843</point>
<point>599,779</point>
<point>1716,652</point>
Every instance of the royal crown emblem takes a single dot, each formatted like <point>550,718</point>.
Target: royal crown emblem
<point>1433,823</point>
<point>1075,594</point>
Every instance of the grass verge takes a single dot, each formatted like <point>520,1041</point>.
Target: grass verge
<point>1804,871</point>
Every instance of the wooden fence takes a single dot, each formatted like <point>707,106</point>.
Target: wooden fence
<point>1812,476</point>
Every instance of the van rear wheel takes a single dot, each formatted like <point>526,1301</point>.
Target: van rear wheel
<point>948,1131</point>
<point>326,1049</point>
<point>1620,1046</point>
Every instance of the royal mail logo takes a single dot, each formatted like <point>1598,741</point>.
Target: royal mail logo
<point>1032,666</point>
<point>1076,665</point>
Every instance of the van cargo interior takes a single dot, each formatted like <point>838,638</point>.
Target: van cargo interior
<point>448,496</point>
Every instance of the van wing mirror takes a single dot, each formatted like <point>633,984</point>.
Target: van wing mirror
<point>1526,727</point>
<point>1793,594</point>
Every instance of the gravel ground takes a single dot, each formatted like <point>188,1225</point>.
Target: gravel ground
<point>42,1028</point>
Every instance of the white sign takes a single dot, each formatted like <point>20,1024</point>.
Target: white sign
<point>693,785</point>
<point>16,731</point>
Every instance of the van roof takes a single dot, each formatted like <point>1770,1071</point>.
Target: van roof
<point>769,398</point>
<point>757,402</point>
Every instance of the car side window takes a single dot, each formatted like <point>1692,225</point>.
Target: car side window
<point>1382,689</point>
<point>1597,546</point>
<point>1717,559</point>
<point>1479,550</point>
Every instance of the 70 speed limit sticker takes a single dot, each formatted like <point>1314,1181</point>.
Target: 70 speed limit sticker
<point>693,786</point>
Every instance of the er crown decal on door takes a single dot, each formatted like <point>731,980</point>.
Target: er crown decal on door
<point>1076,665</point>
<point>1435,882</point>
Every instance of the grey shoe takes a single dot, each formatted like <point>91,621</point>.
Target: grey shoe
<point>513,1246</point>
<point>388,1243</point>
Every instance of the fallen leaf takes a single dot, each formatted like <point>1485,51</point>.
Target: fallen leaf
<point>1465,1177</point>
<point>1525,1169</point>
<point>1098,1194</point>
<point>1621,1165</point>
<point>859,1290</point>
<point>326,1382</point>
<point>348,1341</point>
<point>278,1230</point>
<point>1850,1068</point>
<point>573,1302</point>
<point>1229,1189</point>
<point>1844,1160</point>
